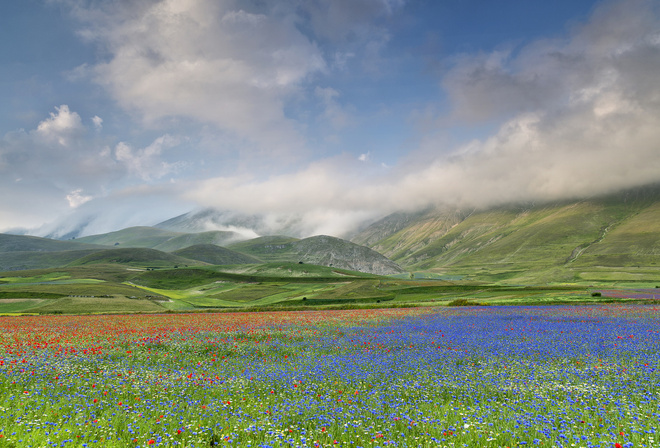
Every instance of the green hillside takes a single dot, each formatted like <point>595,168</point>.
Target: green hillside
<point>534,243</point>
<point>131,237</point>
<point>155,238</point>
<point>216,238</point>
<point>14,261</point>
<point>320,250</point>
<point>135,257</point>
<point>25,243</point>
<point>212,254</point>
<point>267,248</point>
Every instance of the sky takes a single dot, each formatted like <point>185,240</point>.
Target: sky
<point>117,113</point>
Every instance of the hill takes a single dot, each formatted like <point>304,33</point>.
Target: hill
<point>268,248</point>
<point>319,250</point>
<point>16,261</point>
<point>135,256</point>
<point>212,254</point>
<point>19,252</point>
<point>24,243</point>
<point>527,242</point>
<point>160,239</point>
<point>247,225</point>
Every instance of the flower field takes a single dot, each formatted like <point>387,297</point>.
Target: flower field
<point>424,377</point>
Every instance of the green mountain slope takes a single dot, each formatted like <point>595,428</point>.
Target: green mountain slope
<point>131,237</point>
<point>535,242</point>
<point>160,239</point>
<point>268,248</point>
<point>216,238</point>
<point>24,243</point>
<point>319,250</point>
<point>16,261</point>
<point>135,256</point>
<point>212,254</point>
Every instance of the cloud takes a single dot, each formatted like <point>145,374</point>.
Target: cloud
<point>231,64</point>
<point>63,127</point>
<point>572,115</point>
<point>146,163</point>
<point>580,113</point>
<point>584,119</point>
<point>59,165</point>
<point>236,64</point>
<point>76,198</point>
<point>98,122</point>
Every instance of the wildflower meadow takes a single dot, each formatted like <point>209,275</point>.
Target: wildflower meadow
<point>584,376</point>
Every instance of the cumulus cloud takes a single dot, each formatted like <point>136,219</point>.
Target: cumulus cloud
<point>232,64</point>
<point>63,127</point>
<point>235,64</point>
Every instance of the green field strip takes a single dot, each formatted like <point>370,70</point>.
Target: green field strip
<point>169,293</point>
<point>73,281</point>
<point>50,277</point>
<point>19,305</point>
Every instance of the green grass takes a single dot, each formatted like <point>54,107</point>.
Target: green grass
<point>115,288</point>
<point>10,306</point>
<point>91,305</point>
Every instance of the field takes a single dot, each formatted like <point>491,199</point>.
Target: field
<point>585,376</point>
<point>278,286</point>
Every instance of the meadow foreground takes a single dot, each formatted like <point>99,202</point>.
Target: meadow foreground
<point>582,376</point>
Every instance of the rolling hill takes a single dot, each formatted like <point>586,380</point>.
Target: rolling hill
<point>134,256</point>
<point>320,250</point>
<point>25,243</point>
<point>155,238</point>
<point>212,254</point>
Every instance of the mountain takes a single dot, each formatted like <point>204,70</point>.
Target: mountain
<point>160,239</point>
<point>212,254</point>
<point>319,250</point>
<point>247,225</point>
<point>26,252</point>
<point>20,252</point>
<point>559,240</point>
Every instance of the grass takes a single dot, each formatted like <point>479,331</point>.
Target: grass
<point>278,285</point>
<point>91,305</point>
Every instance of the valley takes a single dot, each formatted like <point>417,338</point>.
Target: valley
<point>588,251</point>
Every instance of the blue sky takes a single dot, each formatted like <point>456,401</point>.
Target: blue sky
<point>334,111</point>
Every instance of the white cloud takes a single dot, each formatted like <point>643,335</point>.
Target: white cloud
<point>232,64</point>
<point>63,127</point>
<point>98,122</point>
<point>59,166</point>
<point>146,163</point>
<point>76,198</point>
